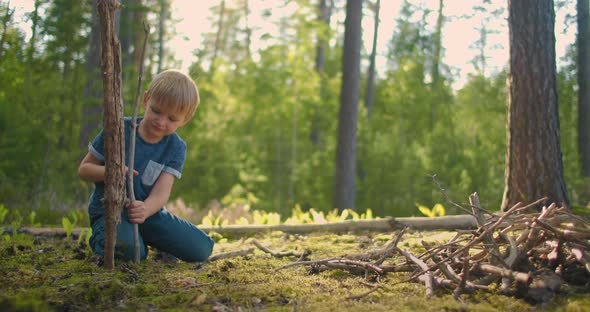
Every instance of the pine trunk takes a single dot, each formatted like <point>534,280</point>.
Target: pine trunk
<point>533,163</point>
<point>583,42</point>
<point>344,195</point>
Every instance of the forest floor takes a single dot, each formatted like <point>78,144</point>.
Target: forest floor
<point>62,274</point>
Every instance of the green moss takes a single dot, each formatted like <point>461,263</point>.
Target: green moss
<point>56,274</point>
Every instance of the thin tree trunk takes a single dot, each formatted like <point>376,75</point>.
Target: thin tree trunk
<point>370,92</point>
<point>218,38</point>
<point>248,30</point>
<point>344,195</point>
<point>583,44</point>
<point>91,107</point>
<point>437,45</point>
<point>162,33</point>
<point>5,19</point>
<point>324,15</point>
<point>114,190</point>
<point>533,161</point>
<point>137,35</point>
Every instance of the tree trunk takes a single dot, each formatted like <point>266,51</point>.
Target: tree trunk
<point>5,19</point>
<point>34,23</point>
<point>247,29</point>
<point>344,195</point>
<point>435,72</point>
<point>91,108</point>
<point>370,92</point>
<point>583,42</point>
<point>324,17</point>
<point>114,150</point>
<point>218,38</point>
<point>162,33</point>
<point>533,161</point>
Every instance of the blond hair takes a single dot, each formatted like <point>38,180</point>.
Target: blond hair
<point>175,90</point>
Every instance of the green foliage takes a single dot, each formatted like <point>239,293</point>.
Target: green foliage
<point>67,225</point>
<point>3,213</point>
<point>264,137</point>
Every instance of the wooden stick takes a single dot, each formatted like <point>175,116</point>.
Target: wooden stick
<point>276,253</point>
<point>114,133</point>
<point>231,254</point>
<point>517,276</point>
<point>130,191</point>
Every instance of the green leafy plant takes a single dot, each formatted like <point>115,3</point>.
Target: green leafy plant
<point>437,211</point>
<point>3,213</point>
<point>67,225</point>
<point>32,219</point>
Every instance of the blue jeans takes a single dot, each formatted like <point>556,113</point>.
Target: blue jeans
<point>163,230</point>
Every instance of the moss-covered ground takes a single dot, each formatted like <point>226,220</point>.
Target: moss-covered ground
<point>62,274</point>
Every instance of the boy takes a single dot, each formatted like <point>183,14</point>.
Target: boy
<point>169,103</point>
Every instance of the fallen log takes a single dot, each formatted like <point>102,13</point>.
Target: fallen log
<point>380,225</point>
<point>458,222</point>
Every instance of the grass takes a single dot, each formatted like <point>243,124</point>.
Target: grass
<point>61,274</point>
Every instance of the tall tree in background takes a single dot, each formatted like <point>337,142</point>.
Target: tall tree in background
<point>92,104</point>
<point>5,19</point>
<point>583,44</point>
<point>370,92</point>
<point>163,17</point>
<point>435,72</point>
<point>324,14</point>
<point>344,195</point>
<point>486,17</point>
<point>218,37</point>
<point>534,166</point>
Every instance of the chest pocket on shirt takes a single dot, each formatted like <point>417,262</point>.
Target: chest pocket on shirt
<point>151,173</point>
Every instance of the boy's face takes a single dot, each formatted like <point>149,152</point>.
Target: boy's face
<point>160,121</point>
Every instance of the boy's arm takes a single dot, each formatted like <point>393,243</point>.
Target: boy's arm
<point>138,211</point>
<point>91,169</point>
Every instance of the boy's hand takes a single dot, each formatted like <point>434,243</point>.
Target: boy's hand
<point>136,211</point>
<point>135,172</point>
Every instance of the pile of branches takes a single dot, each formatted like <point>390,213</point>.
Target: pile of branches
<point>519,253</point>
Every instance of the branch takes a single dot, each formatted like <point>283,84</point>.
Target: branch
<point>130,190</point>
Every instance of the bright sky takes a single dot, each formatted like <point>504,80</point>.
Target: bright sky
<point>458,34</point>
<point>194,19</point>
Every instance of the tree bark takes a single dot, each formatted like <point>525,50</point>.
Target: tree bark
<point>344,195</point>
<point>114,150</point>
<point>534,166</point>
<point>583,44</point>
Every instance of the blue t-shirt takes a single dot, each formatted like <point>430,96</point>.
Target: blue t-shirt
<point>151,159</point>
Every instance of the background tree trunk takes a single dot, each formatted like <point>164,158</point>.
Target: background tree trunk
<point>370,92</point>
<point>114,150</point>
<point>5,19</point>
<point>91,108</point>
<point>324,17</point>
<point>435,72</point>
<point>161,33</point>
<point>533,162</point>
<point>583,43</point>
<point>344,195</point>
<point>218,38</point>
